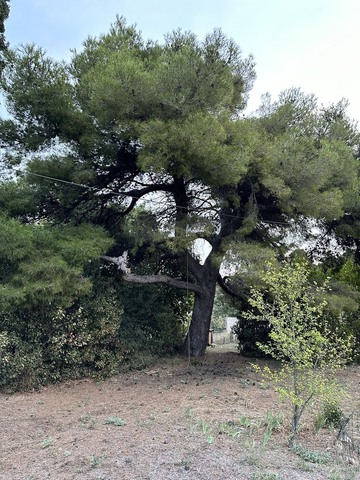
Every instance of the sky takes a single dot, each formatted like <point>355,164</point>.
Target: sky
<point>311,44</point>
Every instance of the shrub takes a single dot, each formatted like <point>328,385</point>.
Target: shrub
<point>45,345</point>
<point>249,334</point>
<point>300,338</point>
<point>20,363</point>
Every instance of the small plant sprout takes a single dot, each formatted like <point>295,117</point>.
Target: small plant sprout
<point>117,421</point>
<point>47,442</point>
<point>300,339</point>
<point>272,422</point>
<point>95,461</point>
<point>190,414</point>
<point>206,430</point>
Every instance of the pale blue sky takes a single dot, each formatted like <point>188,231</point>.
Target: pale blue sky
<point>312,44</point>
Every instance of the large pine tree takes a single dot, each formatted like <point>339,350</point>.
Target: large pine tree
<point>129,122</point>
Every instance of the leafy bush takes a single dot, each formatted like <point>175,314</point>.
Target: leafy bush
<point>330,417</point>
<point>156,321</point>
<point>20,362</point>
<point>52,344</point>
<point>249,334</point>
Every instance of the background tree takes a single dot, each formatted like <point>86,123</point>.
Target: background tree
<point>4,13</point>
<point>129,122</point>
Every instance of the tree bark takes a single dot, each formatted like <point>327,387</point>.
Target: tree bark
<point>204,289</point>
<point>196,340</point>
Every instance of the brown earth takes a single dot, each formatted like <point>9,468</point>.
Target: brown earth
<point>203,420</point>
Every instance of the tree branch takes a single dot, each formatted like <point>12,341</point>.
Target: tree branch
<point>227,289</point>
<point>124,271</point>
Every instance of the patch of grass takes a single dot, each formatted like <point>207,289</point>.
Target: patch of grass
<point>266,476</point>
<point>47,442</point>
<point>95,461</point>
<point>87,421</point>
<point>311,455</point>
<point>206,430</point>
<point>272,422</point>
<point>245,426</point>
<point>117,421</point>
<point>204,426</point>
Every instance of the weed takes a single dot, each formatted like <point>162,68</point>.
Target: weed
<point>67,453</point>
<point>190,414</point>
<point>264,385</point>
<point>95,461</point>
<point>305,466</point>
<point>330,417</point>
<point>346,474</point>
<point>185,462</point>
<point>266,476</point>
<point>87,421</point>
<point>311,455</point>
<point>117,421</point>
<point>47,442</point>
<point>206,430</point>
<point>251,460</point>
<point>245,426</point>
<point>271,422</point>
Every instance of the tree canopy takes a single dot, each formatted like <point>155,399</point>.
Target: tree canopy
<point>129,123</point>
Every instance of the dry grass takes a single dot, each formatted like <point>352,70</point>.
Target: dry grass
<point>177,421</point>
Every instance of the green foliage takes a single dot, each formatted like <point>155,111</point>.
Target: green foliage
<point>117,421</point>
<point>272,422</point>
<point>250,333</point>
<point>128,121</point>
<point>42,346</point>
<point>4,13</point>
<point>311,455</point>
<point>156,321</point>
<point>300,338</point>
<point>45,264</point>
<point>21,363</point>
<point>330,416</point>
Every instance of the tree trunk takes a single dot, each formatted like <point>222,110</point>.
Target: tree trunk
<point>204,289</point>
<point>197,338</point>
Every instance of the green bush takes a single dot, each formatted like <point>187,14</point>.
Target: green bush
<point>330,417</point>
<point>155,322</point>
<point>20,363</point>
<point>52,344</point>
<point>249,333</point>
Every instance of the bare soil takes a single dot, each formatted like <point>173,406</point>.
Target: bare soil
<point>176,420</point>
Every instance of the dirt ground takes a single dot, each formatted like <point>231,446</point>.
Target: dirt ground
<point>175,420</point>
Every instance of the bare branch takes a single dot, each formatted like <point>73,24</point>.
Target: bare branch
<point>124,271</point>
<point>240,295</point>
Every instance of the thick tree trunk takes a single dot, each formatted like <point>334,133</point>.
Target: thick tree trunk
<point>197,338</point>
<point>204,289</point>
